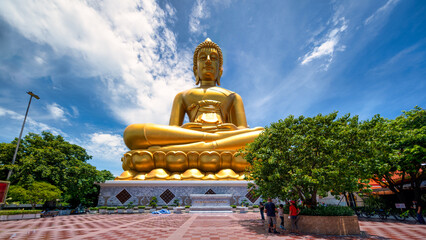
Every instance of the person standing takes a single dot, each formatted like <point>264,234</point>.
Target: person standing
<point>420,218</point>
<point>281,215</point>
<point>294,216</point>
<point>270,210</point>
<point>262,208</point>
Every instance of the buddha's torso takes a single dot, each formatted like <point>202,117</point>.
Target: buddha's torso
<point>210,106</point>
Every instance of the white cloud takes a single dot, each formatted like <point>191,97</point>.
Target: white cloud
<point>30,125</point>
<point>199,11</point>
<point>105,147</point>
<point>126,44</point>
<point>389,5</point>
<point>75,112</point>
<point>327,46</point>
<point>57,112</point>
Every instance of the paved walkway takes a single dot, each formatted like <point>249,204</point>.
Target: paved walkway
<point>181,226</point>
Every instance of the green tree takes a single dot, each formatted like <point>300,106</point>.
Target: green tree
<point>6,156</point>
<point>300,158</point>
<point>399,152</point>
<point>35,193</point>
<point>51,159</point>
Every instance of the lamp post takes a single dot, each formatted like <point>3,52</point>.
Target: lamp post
<point>20,135</point>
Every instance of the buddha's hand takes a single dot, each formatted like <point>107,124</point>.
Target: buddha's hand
<point>227,126</point>
<point>192,125</point>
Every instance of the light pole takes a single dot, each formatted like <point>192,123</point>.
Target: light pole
<point>20,135</point>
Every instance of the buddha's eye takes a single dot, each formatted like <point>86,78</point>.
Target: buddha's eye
<point>203,58</point>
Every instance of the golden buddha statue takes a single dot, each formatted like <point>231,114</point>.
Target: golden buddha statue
<point>203,148</point>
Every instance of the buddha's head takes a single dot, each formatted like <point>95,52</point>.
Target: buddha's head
<point>208,61</point>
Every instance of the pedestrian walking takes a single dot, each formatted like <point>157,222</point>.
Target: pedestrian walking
<point>281,215</point>
<point>262,208</point>
<point>270,210</point>
<point>420,218</point>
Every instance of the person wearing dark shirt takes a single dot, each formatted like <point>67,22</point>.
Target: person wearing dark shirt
<point>270,210</point>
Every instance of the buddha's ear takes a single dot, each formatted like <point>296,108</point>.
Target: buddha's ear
<point>220,75</point>
<point>197,79</point>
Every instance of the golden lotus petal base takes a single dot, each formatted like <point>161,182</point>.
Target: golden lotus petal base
<point>127,175</point>
<point>157,174</point>
<point>227,174</point>
<point>190,174</point>
<point>146,164</point>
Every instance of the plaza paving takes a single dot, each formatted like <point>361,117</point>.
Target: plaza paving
<point>182,226</point>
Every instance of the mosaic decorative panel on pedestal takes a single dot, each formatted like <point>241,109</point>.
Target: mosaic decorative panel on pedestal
<point>119,193</point>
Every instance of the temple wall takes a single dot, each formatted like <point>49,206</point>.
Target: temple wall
<point>121,193</point>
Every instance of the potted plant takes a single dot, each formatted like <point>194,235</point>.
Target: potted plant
<point>234,208</point>
<point>130,208</point>
<point>111,210</point>
<point>153,202</point>
<point>255,208</point>
<point>141,209</point>
<point>330,220</point>
<point>176,202</point>
<point>120,209</point>
<point>103,209</point>
<point>93,210</point>
<point>19,214</point>
<point>243,207</point>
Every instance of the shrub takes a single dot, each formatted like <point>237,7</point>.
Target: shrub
<point>141,207</point>
<point>111,208</point>
<point>176,202</point>
<point>103,207</point>
<point>330,210</point>
<point>14,212</point>
<point>121,207</point>
<point>255,206</point>
<point>93,208</point>
<point>166,206</point>
<point>153,202</point>
<point>187,206</point>
<point>234,206</point>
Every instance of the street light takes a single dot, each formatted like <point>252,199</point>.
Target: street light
<point>20,135</point>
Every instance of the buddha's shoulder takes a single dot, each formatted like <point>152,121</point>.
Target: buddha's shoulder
<point>222,90</point>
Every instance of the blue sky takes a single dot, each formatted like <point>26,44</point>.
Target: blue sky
<point>99,66</point>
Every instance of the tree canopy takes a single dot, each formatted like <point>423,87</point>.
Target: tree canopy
<point>298,158</point>
<point>399,154</point>
<point>51,159</point>
<point>37,192</point>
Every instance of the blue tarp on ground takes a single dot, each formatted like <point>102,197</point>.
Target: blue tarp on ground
<point>162,211</point>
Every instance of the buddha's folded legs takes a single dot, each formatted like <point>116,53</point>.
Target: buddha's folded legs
<point>142,136</point>
<point>230,143</point>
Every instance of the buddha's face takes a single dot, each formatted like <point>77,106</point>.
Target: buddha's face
<point>208,64</point>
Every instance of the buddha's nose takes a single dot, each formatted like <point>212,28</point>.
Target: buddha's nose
<point>208,58</point>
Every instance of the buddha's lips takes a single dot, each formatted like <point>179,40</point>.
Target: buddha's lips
<point>208,68</point>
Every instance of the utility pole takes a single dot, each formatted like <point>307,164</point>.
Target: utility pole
<point>20,135</point>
